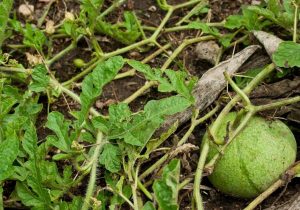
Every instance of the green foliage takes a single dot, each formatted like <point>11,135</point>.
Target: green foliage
<point>40,79</point>
<point>34,38</point>
<point>125,32</point>
<point>166,188</point>
<point>5,7</point>
<point>91,8</point>
<point>137,129</point>
<point>287,55</point>
<point>60,127</point>
<point>204,28</point>
<point>176,81</point>
<point>275,12</point>
<point>9,149</point>
<point>111,158</point>
<point>94,82</point>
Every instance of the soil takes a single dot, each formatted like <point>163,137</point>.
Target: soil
<point>120,89</point>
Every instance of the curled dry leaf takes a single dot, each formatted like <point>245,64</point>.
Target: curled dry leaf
<point>269,41</point>
<point>185,148</point>
<point>210,86</point>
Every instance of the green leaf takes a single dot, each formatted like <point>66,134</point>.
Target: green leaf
<point>30,142</point>
<point>249,19</point>
<point>5,7</point>
<point>179,84</point>
<point>9,150</point>
<point>287,55</point>
<point>138,130</point>
<point>204,28</point>
<point>27,197</point>
<point>91,7</point>
<point>148,206</point>
<point>40,79</point>
<point>166,188</point>
<point>33,37</point>
<point>111,158</point>
<point>57,123</point>
<point>94,82</point>
<point>37,171</point>
<point>126,32</point>
<point>175,81</point>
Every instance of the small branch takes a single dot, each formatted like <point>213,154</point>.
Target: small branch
<point>62,53</point>
<point>265,194</point>
<point>237,89</point>
<point>277,104</point>
<point>111,8</point>
<point>199,6</point>
<point>45,13</point>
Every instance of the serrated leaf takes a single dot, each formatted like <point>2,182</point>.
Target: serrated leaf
<point>91,7</point>
<point>57,123</point>
<point>287,55</point>
<point>40,79</point>
<point>27,197</point>
<point>141,127</point>
<point>148,206</point>
<point>249,19</point>
<point>94,82</point>
<point>35,166</point>
<point>30,142</point>
<point>166,188</point>
<point>178,81</point>
<point>5,7</point>
<point>126,32</point>
<point>33,37</point>
<point>9,150</point>
<point>175,81</point>
<point>204,28</point>
<point>111,158</point>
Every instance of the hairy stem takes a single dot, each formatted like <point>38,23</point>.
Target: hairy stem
<point>92,180</point>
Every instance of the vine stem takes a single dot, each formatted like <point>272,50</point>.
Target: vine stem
<point>92,180</point>
<point>261,76</point>
<point>140,91</point>
<point>295,22</point>
<point>198,175</point>
<point>182,28</point>
<point>63,52</point>
<point>132,72</point>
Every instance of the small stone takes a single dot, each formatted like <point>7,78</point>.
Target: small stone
<point>34,59</point>
<point>207,51</point>
<point>26,9</point>
<point>69,16</point>
<point>152,8</point>
<point>50,27</point>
